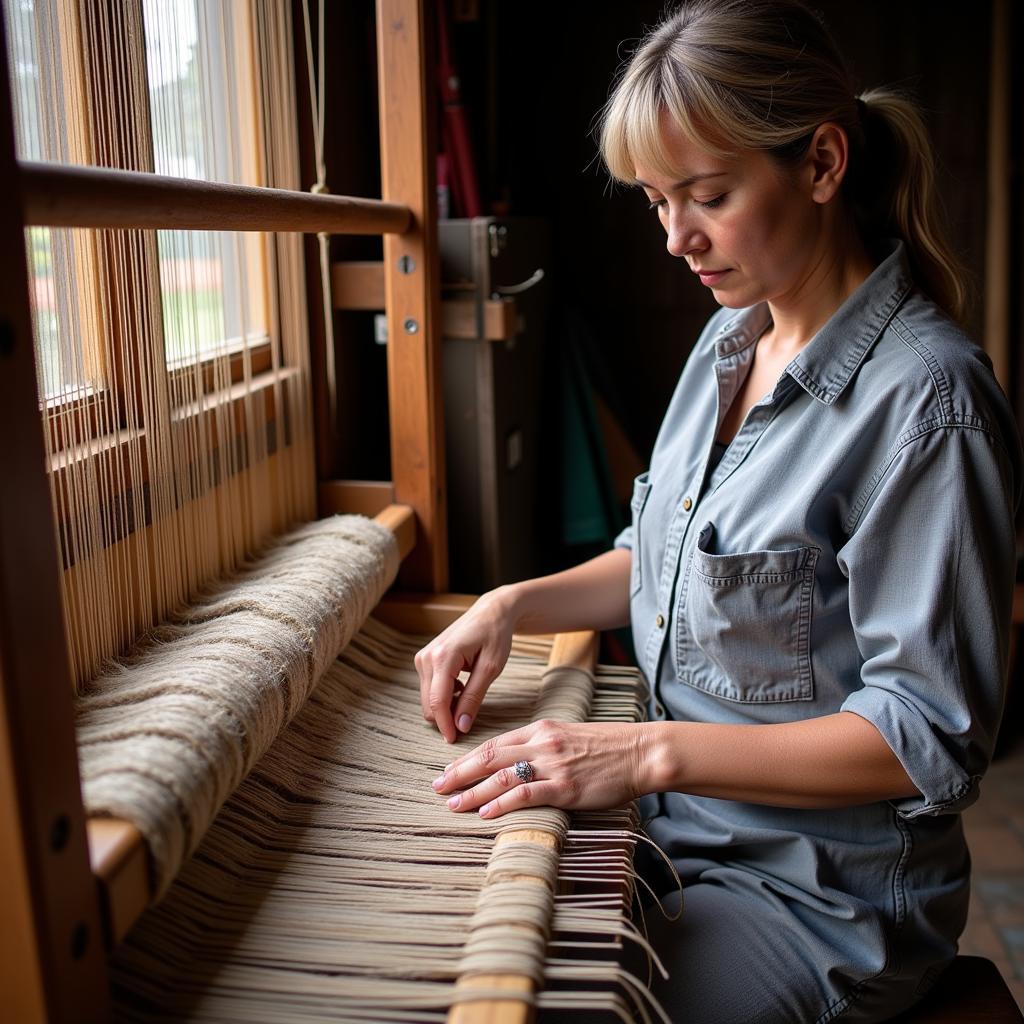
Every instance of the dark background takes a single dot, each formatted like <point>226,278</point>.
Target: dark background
<point>534,76</point>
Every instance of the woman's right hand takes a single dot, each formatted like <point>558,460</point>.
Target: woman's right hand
<point>478,642</point>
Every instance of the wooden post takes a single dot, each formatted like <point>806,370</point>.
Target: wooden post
<point>51,946</point>
<point>575,650</point>
<point>412,288</point>
<point>997,246</point>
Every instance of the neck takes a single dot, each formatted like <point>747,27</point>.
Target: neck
<point>837,266</point>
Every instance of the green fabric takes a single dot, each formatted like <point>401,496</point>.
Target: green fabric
<point>589,510</point>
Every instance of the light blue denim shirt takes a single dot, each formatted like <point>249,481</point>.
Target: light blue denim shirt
<point>853,550</point>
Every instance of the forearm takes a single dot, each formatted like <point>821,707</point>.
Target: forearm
<point>594,595</point>
<point>833,761</point>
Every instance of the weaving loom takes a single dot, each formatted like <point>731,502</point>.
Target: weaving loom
<point>230,821</point>
<point>334,884</point>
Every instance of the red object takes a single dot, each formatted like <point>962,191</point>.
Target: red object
<point>613,651</point>
<point>465,192</point>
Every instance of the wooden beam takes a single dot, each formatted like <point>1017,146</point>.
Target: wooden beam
<point>120,863</point>
<point>412,288</point>
<point>364,497</point>
<point>422,614</point>
<point>501,319</point>
<point>65,195</point>
<point>401,521</point>
<point>569,649</point>
<point>359,285</point>
<point>997,236</point>
<point>52,966</point>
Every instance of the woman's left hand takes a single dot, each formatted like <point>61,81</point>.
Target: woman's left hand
<point>588,766</point>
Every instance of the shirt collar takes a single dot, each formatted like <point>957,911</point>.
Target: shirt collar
<point>824,366</point>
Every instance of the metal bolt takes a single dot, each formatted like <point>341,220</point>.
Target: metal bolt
<point>60,832</point>
<point>6,338</point>
<point>411,327</point>
<point>406,264</point>
<point>79,940</point>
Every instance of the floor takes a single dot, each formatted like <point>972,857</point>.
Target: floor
<point>995,834</point>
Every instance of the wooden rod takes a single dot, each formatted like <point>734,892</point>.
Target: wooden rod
<point>576,650</point>
<point>67,195</point>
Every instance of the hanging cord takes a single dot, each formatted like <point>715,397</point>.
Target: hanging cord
<point>316,103</point>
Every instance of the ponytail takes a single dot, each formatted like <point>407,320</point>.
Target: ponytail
<point>892,192</point>
<point>763,74</point>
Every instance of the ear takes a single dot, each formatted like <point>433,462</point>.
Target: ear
<point>827,161</point>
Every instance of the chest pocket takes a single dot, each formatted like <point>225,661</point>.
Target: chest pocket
<point>745,632</point>
<point>641,489</point>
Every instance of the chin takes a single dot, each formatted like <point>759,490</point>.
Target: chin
<point>737,298</point>
<point>729,302</point>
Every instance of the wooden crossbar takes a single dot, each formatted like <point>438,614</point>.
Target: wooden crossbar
<point>70,196</point>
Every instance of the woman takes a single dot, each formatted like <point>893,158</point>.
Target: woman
<point>820,566</point>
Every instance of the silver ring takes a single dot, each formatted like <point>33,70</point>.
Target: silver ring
<point>524,771</point>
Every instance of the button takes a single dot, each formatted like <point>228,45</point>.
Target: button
<point>660,621</point>
<point>687,504</point>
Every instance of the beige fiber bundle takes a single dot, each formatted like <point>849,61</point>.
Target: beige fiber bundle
<point>168,733</point>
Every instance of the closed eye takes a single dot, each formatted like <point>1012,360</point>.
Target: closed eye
<point>708,204</point>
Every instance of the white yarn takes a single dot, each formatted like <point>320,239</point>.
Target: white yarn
<point>167,734</point>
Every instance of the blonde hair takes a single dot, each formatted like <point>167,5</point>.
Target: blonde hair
<point>764,74</point>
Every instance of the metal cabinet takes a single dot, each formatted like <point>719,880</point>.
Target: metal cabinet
<point>493,269</point>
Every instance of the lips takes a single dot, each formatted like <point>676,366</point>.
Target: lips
<point>710,277</point>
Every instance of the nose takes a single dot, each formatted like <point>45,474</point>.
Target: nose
<point>683,234</point>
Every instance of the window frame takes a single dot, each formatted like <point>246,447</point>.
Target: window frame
<point>99,254</point>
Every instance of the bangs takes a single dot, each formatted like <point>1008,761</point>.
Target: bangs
<point>631,130</point>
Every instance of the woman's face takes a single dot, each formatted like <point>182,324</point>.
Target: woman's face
<point>745,225</point>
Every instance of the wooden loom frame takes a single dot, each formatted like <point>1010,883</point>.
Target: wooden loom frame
<point>69,888</point>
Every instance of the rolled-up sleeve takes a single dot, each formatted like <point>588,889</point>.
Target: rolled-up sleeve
<point>930,563</point>
<point>624,539</point>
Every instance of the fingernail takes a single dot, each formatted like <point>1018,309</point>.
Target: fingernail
<point>454,801</point>
<point>448,767</point>
<point>464,723</point>
<point>485,810</point>
<point>438,782</point>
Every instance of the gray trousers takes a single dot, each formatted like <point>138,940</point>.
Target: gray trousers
<point>732,961</point>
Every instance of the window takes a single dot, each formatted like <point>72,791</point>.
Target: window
<point>70,106</point>
<point>198,58</point>
<point>172,365</point>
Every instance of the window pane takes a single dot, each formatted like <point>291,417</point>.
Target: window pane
<point>197,77</point>
<point>35,60</point>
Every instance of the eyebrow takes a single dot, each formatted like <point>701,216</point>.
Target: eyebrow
<point>686,182</point>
